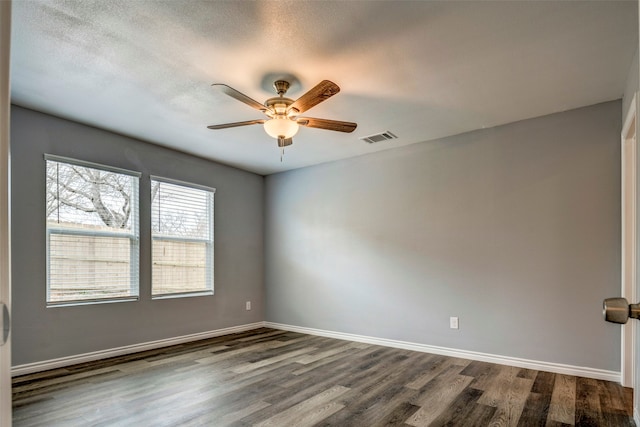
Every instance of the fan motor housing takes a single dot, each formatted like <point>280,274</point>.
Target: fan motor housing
<point>279,105</point>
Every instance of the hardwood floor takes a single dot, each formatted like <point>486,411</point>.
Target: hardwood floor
<point>267,377</point>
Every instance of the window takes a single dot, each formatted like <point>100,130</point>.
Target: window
<point>182,238</point>
<point>92,232</point>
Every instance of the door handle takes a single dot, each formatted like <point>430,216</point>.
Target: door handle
<point>6,323</point>
<point>618,310</point>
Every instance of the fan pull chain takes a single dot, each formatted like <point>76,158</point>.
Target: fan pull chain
<point>281,154</point>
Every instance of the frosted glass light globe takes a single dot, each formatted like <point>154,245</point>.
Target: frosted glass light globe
<point>281,127</point>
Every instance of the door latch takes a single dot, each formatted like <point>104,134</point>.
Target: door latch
<point>618,310</point>
<point>6,323</point>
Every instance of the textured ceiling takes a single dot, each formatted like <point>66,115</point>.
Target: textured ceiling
<point>421,70</point>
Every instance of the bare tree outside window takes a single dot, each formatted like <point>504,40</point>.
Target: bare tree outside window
<point>83,195</point>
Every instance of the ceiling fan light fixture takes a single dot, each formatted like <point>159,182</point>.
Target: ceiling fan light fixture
<point>281,127</point>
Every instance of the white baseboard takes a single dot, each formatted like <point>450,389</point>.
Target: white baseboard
<point>558,368</point>
<point>30,368</point>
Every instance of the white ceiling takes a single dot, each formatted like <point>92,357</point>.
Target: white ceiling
<point>420,69</point>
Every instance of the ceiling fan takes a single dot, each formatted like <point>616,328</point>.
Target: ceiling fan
<point>283,120</point>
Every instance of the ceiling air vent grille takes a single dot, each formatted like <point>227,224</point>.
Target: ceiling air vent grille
<point>384,136</point>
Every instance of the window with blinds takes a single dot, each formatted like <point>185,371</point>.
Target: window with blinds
<point>182,238</point>
<point>92,232</point>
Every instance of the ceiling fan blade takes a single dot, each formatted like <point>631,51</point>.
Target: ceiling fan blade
<point>336,125</point>
<point>239,96</point>
<point>236,124</point>
<point>320,92</point>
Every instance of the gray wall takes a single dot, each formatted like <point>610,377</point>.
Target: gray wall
<point>41,333</point>
<point>514,229</point>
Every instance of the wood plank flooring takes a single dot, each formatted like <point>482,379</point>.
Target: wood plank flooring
<point>267,377</point>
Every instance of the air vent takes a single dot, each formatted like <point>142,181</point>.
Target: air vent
<point>384,136</point>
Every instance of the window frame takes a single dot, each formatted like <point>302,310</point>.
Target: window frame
<point>133,236</point>
<point>209,241</point>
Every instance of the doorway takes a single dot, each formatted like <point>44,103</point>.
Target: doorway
<point>5,238</point>
<point>629,374</point>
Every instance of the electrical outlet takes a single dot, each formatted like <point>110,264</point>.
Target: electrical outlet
<point>453,322</point>
<point>248,305</point>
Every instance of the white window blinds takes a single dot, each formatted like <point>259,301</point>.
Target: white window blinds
<point>92,232</point>
<point>182,238</point>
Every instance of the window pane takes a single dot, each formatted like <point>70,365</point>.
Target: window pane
<point>179,211</point>
<point>88,267</point>
<point>88,197</point>
<point>179,267</point>
<point>92,233</point>
<point>182,244</point>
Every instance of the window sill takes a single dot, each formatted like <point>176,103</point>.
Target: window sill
<point>90,302</point>
<point>185,295</point>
